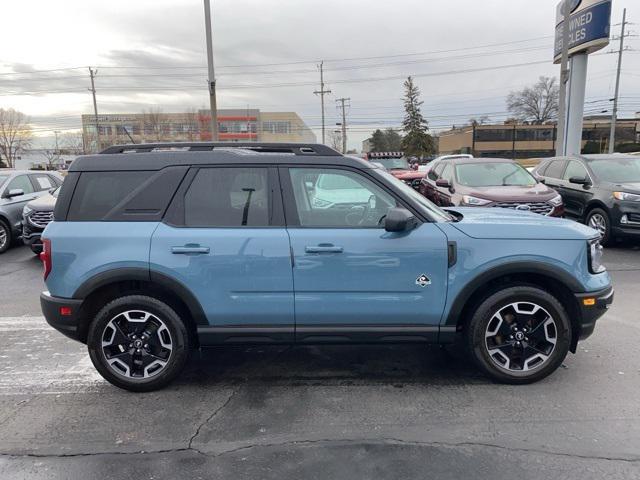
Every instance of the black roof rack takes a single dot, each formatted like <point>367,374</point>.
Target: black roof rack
<point>295,148</point>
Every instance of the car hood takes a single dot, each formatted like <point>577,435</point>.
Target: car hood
<point>502,223</point>
<point>43,203</point>
<point>631,187</point>
<point>407,174</point>
<point>514,193</point>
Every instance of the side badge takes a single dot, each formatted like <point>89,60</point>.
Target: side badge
<point>423,280</point>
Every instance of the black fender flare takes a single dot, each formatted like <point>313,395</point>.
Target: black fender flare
<point>523,267</point>
<point>144,275</point>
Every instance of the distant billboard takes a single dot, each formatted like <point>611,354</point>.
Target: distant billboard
<point>589,26</point>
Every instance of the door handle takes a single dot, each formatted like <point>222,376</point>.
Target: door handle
<point>190,249</point>
<point>324,248</point>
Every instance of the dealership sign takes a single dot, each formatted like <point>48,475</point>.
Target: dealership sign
<point>589,26</point>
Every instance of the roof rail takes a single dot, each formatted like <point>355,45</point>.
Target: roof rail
<point>295,148</point>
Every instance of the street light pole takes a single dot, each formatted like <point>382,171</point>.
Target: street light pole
<point>212,77</point>
<point>614,115</point>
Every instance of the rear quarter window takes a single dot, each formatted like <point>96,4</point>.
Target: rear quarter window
<point>97,193</point>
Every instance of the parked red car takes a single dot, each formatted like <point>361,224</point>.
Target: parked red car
<point>489,182</point>
<point>398,166</point>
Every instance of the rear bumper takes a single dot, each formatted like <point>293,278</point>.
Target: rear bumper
<point>590,313</point>
<point>68,325</point>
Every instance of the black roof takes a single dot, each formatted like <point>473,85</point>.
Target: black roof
<point>155,156</point>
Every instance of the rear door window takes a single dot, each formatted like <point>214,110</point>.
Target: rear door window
<point>228,197</point>
<point>97,193</point>
<point>43,182</point>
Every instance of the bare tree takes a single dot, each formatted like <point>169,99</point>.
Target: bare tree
<point>336,140</point>
<point>73,144</point>
<point>537,104</point>
<point>192,125</point>
<point>479,121</point>
<point>155,122</point>
<point>15,134</point>
<point>52,156</point>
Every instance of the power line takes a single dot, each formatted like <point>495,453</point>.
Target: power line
<point>322,92</point>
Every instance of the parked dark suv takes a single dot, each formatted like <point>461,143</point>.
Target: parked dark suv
<point>154,251</point>
<point>602,191</point>
<point>489,182</point>
<point>36,215</point>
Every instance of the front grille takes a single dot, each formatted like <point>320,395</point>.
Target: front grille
<point>634,217</point>
<point>40,219</point>
<point>542,208</point>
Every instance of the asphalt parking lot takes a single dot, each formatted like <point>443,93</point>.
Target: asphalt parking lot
<point>317,412</point>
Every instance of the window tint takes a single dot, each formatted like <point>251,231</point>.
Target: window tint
<point>98,192</point>
<point>43,182</point>
<point>575,169</point>
<point>447,173</point>
<point>21,182</point>
<point>555,168</point>
<point>228,197</point>
<point>338,198</point>
<point>432,172</point>
<point>490,174</point>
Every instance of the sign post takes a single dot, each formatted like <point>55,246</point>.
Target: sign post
<point>589,26</point>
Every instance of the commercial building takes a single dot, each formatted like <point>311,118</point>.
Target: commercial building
<point>246,125</point>
<point>533,141</point>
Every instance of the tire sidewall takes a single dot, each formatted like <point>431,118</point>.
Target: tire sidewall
<point>500,299</point>
<point>176,327</point>
<point>7,244</point>
<point>606,239</point>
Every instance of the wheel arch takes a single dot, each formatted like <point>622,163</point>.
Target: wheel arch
<point>546,277</point>
<point>593,204</point>
<point>104,287</point>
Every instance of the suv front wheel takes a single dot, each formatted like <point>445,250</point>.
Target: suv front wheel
<point>519,335</point>
<point>138,343</point>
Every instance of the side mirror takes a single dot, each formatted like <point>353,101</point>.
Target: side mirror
<point>400,220</point>
<point>580,181</point>
<point>16,192</point>
<point>443,183</point>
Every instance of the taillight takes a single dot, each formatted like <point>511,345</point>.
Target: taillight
<point>45,256</point>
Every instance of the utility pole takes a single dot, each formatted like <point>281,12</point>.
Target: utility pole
<point>614,114</point>
<point>561,141</point>
<point>56,132</point>
<point>343,101</point>
<point>212,77</point>
<point>92,74</point>
<point>322,92</point>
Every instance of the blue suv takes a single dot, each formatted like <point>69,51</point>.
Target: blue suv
<point>162,248</point>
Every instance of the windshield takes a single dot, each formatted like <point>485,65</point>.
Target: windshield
<point>435,211</point>
<point>617,170</point>
<point>394,163</point>
<point>56,192</point>
<point>493,174</point>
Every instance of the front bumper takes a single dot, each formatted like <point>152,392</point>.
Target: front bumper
<point>592,306</point>
<point>68,325</point>
<point>625,219</point>
<point>30,234</point>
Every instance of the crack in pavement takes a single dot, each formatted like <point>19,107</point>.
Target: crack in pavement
<point>364,441</point>
<point>211,417</point>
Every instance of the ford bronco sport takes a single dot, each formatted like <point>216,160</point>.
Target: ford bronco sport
<point>159,249</point>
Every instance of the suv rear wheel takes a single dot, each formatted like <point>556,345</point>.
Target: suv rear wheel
<point>519,335</point>
<point>138,343</point>
<point>5,236</point>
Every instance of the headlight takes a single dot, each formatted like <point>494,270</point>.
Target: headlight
<point>469,200</point>
<point>631,197</point>
<point>26,211</point>
<point>595,257</point>
<point>556,201</point>
<point>319,203</point>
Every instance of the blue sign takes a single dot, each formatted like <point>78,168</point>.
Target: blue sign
<point>589,28</point>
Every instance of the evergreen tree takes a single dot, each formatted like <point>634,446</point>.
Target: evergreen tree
<point>394,140</point>
<point>379,142</point>
<point>417,141</point>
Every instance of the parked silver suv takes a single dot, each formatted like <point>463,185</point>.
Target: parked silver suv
<point>17,188</point>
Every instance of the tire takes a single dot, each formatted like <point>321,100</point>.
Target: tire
<point>6,236</point>
<point>599,220</point>
<point>147,344</point>
<point>521,309</point>
<point>36,248</point>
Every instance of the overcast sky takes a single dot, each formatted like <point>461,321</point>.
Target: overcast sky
<point>266,54</point>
